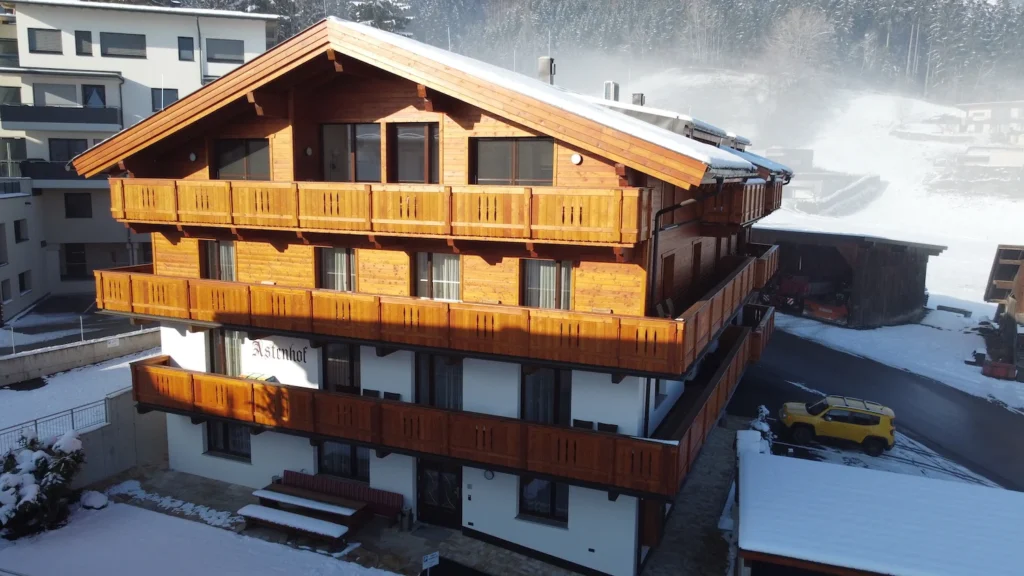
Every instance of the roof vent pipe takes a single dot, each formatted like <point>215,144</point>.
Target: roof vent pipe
<point>611,90</point>
<point>546,69</point>
<point>639,99</point>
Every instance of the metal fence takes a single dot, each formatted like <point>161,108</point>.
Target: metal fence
<point>56,425</point>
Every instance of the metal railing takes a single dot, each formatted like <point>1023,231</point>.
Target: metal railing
<point>56,425</point>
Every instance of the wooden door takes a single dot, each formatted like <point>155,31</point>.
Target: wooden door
<point>439,493</point>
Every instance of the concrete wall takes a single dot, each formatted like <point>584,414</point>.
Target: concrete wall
<point>38,363</point>
<point>128,439</point>
<point>21,256</point>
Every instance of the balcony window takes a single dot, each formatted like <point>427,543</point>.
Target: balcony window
<point>547,396</point>
<point>660,392</point>
<point>351,152</point>
<point>337,269</point>
<point>94,96</point>
<point>513,161</point>
<point>341,368</point>
<point>186,49</point>
<point>437,276</point>
<point>25,281</point>
<point>543,499</point>
<point>217,260</point>
<point>20,231</point>
<point>226,51</point>
<point>9,52</point>
<point>414,150</point>
<point>83,42</point>
<point>10,95</point>
<point>243,159</point>
<point>225,351</point>
<point>12,152</point>
<point>64,149</point>
<point>163,97</point>
<point>54,94</point>
<point>5,291</point>
<point>228,439</point>
<point>117,45</point>
<point>77,205</point>
<point>73,264</point>
<point>41,41</point>
<point>439,381</point>
<point>344,460</point>
<point>547,284</point>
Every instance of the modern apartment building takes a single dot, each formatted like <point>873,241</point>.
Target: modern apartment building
<point>21,247</point>
<point>74,73</point>
<point>1003,121</point>
<point>402,269</point>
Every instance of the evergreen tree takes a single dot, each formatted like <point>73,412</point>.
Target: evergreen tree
<point>390,15</point>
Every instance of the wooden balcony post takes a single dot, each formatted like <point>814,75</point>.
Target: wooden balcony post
<point>447,203</point>
<point>528,221</point>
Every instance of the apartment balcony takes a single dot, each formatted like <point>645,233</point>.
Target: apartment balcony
<point>761,320</point>
<point>615,462</point>
<point>630,344</point>
<point>63,118</point>
<point>767,263</point>
<point>597,216</point>
<point>56,175</point>
<point>738,204</point>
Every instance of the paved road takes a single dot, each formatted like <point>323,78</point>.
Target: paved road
<point>980,435</point>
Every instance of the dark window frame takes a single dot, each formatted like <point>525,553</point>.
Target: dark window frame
<point>563,378</point>
<point>104,48</point>
<point>559,265</point>
<point>66,264</point>
<point>21,230</point>
<point>68,152</point>
<point>217,350</point>
<point>425,363</point>
<point>430,275</point>
<point>224,433</point>
<point>211,265</point>
<point>162,103</point>
<point>23,279</point>
<point>209,51</point>
<point>553,515</point>
<point>223,143</point>
<point>6,293</point>
<point>514,178</point>
<point>190,50</point>
<point>659,395</point>
<point>83,38</point>
<point>71,204</point>
<point>352,129</point>
<point>353,352</point>
<point>101,89</point>
<point>32,44</point>
<point>356,474</point>
<point>321,271</point>
<point>431,152</point>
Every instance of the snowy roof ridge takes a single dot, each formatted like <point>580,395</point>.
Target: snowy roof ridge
<point>700,124</point>
<point>182,11</point>
<point>561,98</point>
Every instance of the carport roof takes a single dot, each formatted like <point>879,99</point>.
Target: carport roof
<point>777,235</point>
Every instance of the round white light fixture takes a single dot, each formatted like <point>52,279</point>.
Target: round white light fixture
<point>191,156</point>
<point>576,159</point>
<point>309,151</point>
<point>489,474</point>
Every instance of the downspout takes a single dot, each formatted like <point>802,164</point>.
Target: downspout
<point>120,100</point>
<point>652,277</point>
<point>199,50</point>
<point>647,407</point>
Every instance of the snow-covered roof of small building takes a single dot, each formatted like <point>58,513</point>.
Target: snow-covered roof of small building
<point>578,104</point>
<point>770,165</point>
<point>875,521</point>
<point>181,11</point>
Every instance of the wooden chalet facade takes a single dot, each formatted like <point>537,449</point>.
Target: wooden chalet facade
<point>378,260</point>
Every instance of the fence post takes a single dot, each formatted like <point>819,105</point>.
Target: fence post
<point>72,418</point>
<point>81,329</point>
<point>13,349</point>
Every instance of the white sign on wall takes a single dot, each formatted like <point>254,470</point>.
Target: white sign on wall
<point>290,360</point>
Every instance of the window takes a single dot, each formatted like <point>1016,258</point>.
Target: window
<point>816,408</point>
<point>228,439</point>
<point>437,276</point>
<point>337,269</point>
<point>54,94</point>
<point>5,291</point>
<point>10,95</point>
<point>341,368</point>
<point>547,284</point>
<point>509,161</point>
<point>117,45</point>
<point>83,42</point>
<point>25,281</point>
<point>414,153</point>
<point>64,149</point>
<point>94,96</point>
<point>217,260</point>
<point>345,460</point>
<point>20,231</point>
<point>543,499</point>
<point>73,264</point>
<point>9,51</point>
<point>145,253</point>
<point>862,419</point>
<point>547,396</point>
<point>243,159</point>
<point>351,152</point>
<point>3,244</point>
<point>225,351</point>
<point>163,97</point>
<point>842,416</point>
<point>12,152</point>
<point>77,205</point>
<point>660,392</point>
<point>42,41</point>
<point>438,381</point>
<point>228,51</point>
<point>186,49</point>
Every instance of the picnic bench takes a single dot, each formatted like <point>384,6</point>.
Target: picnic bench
<point>291,522</point>
<point>380,502</point>
<point>342,511</point>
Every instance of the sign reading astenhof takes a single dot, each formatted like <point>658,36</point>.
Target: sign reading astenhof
<point>270,351</point>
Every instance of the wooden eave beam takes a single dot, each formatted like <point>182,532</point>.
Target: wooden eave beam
<point>332,56</point>
<point>268,104</point>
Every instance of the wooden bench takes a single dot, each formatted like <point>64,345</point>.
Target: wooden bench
<point>292,523</point>
<point>342,511</point>
<point>380,502</point>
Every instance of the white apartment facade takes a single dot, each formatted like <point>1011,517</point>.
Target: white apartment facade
<point>74,73</point>
<point>22,273</point>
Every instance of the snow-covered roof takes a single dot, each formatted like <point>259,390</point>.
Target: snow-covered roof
<point>578,104</point>
<point>876,521</point>
<point>770,165</point>
<point>152,9</point>
<point>741,140</point>
<point>645,112</point>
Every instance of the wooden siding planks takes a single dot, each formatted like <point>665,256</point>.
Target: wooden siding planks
<point>490,283</point>
<point>175,256</point>
<point>608,287</point>
<point>287,265</point>
<point>386,272</point>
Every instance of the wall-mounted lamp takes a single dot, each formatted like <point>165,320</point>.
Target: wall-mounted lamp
<point>309,151</point>
<point>489,474</point>
<point>576,159</point>
<point>191,156</point>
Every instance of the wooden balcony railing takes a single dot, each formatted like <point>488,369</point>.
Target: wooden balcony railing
<point>646,466</point>
<point>645,345</point>
<point>767,263</point>
<point>773,197</point>
<point>761,320</point>
<point>737,204</point>
<point>548,214</point>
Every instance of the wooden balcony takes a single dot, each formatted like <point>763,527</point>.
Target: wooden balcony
<point>654,346</point>
<point>612,216</point>
<point>738,204</point>
<point>773,197</point>
<point>616,462</point>
<point>767,263</point>
<point>761,320</point>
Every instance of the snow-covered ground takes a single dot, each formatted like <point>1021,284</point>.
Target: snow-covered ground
<point>67,390</point>
<point>122,540</point>
<point>935,348</point>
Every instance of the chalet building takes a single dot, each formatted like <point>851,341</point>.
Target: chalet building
<point>407,271</point>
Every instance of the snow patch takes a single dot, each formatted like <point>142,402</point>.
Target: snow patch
<point>133,490</point>
<point>94,500</point>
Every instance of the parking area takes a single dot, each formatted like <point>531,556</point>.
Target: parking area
<point>60,320</point>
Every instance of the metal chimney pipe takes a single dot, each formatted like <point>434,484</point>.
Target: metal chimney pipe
<point>546,69</point>
<point>611,90</point>
<point>639,99</point>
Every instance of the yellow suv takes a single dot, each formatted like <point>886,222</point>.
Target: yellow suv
<point>869,424</point>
